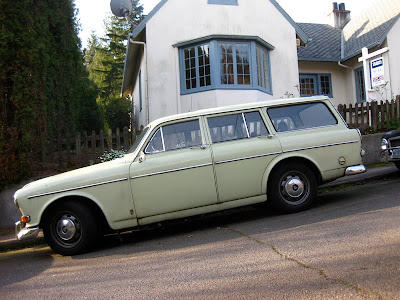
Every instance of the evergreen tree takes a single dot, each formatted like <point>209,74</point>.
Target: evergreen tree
<point>44,86</point>
<point>105,63</point>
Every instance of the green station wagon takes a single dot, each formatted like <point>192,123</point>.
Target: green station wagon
<point>195,163</point>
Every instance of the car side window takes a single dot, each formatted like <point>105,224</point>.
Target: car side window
<point>236,127</point>
<point>175,136</point>
<point>255,124</point>
<point>301,116</point>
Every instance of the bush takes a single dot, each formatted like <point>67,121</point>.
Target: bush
<point>111,155</point>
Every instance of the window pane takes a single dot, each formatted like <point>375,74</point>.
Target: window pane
<point>227,128</point>
<point>308,85</point>
<point>243,63</point>
<point>301,116</point>
<point>204,64</point>
<point>263,68</point>
<point>325,85</point>
<point>190,68</point>
<point>227,73</point>
<point>255,124</point>
<point>156,144</point>
<point>182,135</point>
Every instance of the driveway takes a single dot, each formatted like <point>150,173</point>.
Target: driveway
<point>346,247</point>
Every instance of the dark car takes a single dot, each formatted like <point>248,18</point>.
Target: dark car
<point>391,146</point>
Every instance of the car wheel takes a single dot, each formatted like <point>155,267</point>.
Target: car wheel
<point>292,188</point>
<point>70,229</point>
<point>397,164</point>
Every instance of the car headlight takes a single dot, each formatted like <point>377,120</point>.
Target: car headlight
<point>384,144</point>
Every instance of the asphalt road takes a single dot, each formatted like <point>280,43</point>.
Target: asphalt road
<point>346,247</point>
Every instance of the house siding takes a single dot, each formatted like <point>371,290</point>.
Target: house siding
<point>393,42</point>
<point>339,75</point>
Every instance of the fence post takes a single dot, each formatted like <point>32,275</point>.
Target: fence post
<point>392,110</point>
<point>356,116</point>
<point>133,137</point>
<point>387,113</point>
<point>126,138</point>
<point>398,107</point>
<point>85,148</point>
<point>102,141</point>
<point>374,115</point>
<point>351,123</point>
<point>362,117</point>
<point>78,145</point>
<point>118,138</point>
<point>93,145</point>
<point>109,138</point>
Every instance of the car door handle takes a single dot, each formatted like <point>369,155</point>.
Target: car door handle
<point>203,147</point>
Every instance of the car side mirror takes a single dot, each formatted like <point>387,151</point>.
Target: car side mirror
<point>142,157</point>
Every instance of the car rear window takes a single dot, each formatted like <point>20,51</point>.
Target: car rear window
<point>301,116</point>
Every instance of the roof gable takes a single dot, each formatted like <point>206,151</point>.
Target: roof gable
<point>371,28</point>
<point>368,30</point>
<point>142,24</point>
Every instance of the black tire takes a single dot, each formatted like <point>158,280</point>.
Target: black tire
<point>397,164</point>
<point>69,228</point>
<point>292,188</point>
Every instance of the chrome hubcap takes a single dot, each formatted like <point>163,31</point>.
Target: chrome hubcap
<point>294,187</point>
<point>66,227</point>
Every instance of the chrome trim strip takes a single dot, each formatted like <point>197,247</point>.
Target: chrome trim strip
<point>171,171</point>
<point>245,125</point>
<point>248,157</point>
<point>286,151</point>
<point>77,188</point>
<point>303,129</point>
<point>321,146</point>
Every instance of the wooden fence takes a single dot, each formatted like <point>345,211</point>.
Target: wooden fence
<point>66,151</point>
<point>371,116</point>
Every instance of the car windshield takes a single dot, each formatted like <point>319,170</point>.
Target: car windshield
<point>138,140</point>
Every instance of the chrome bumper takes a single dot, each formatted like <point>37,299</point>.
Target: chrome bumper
<point>355,170</point>
<point>24,233</point>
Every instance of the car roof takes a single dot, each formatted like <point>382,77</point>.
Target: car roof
<point>237,107</point>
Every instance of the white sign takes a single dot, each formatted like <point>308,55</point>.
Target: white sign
<point>377,72</point>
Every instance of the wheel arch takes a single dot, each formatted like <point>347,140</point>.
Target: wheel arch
<point>89,203</point>
<point>288,160</point>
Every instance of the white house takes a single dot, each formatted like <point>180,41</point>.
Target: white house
<point>189,55</point>
<point>332,64</point>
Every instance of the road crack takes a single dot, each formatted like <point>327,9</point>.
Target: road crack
<point>322,272</point>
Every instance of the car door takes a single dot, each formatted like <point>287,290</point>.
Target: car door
<point>174,171</point>
<point>242,149</point>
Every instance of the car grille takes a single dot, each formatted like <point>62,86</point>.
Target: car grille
<point>395,142</point>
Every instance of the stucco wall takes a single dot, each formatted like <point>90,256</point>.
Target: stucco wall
<point>182,20</point>
<point>393,41</point>
<point>340,78</point>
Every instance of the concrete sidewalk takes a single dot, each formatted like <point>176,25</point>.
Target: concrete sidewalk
<point>9,241</point>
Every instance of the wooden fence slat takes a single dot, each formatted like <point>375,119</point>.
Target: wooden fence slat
<point>118,138</point>
<point>110,139</point>
<point>126,138</point>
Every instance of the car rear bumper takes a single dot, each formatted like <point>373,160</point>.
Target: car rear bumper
<point>24,233</point>
<point>355,170</point>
